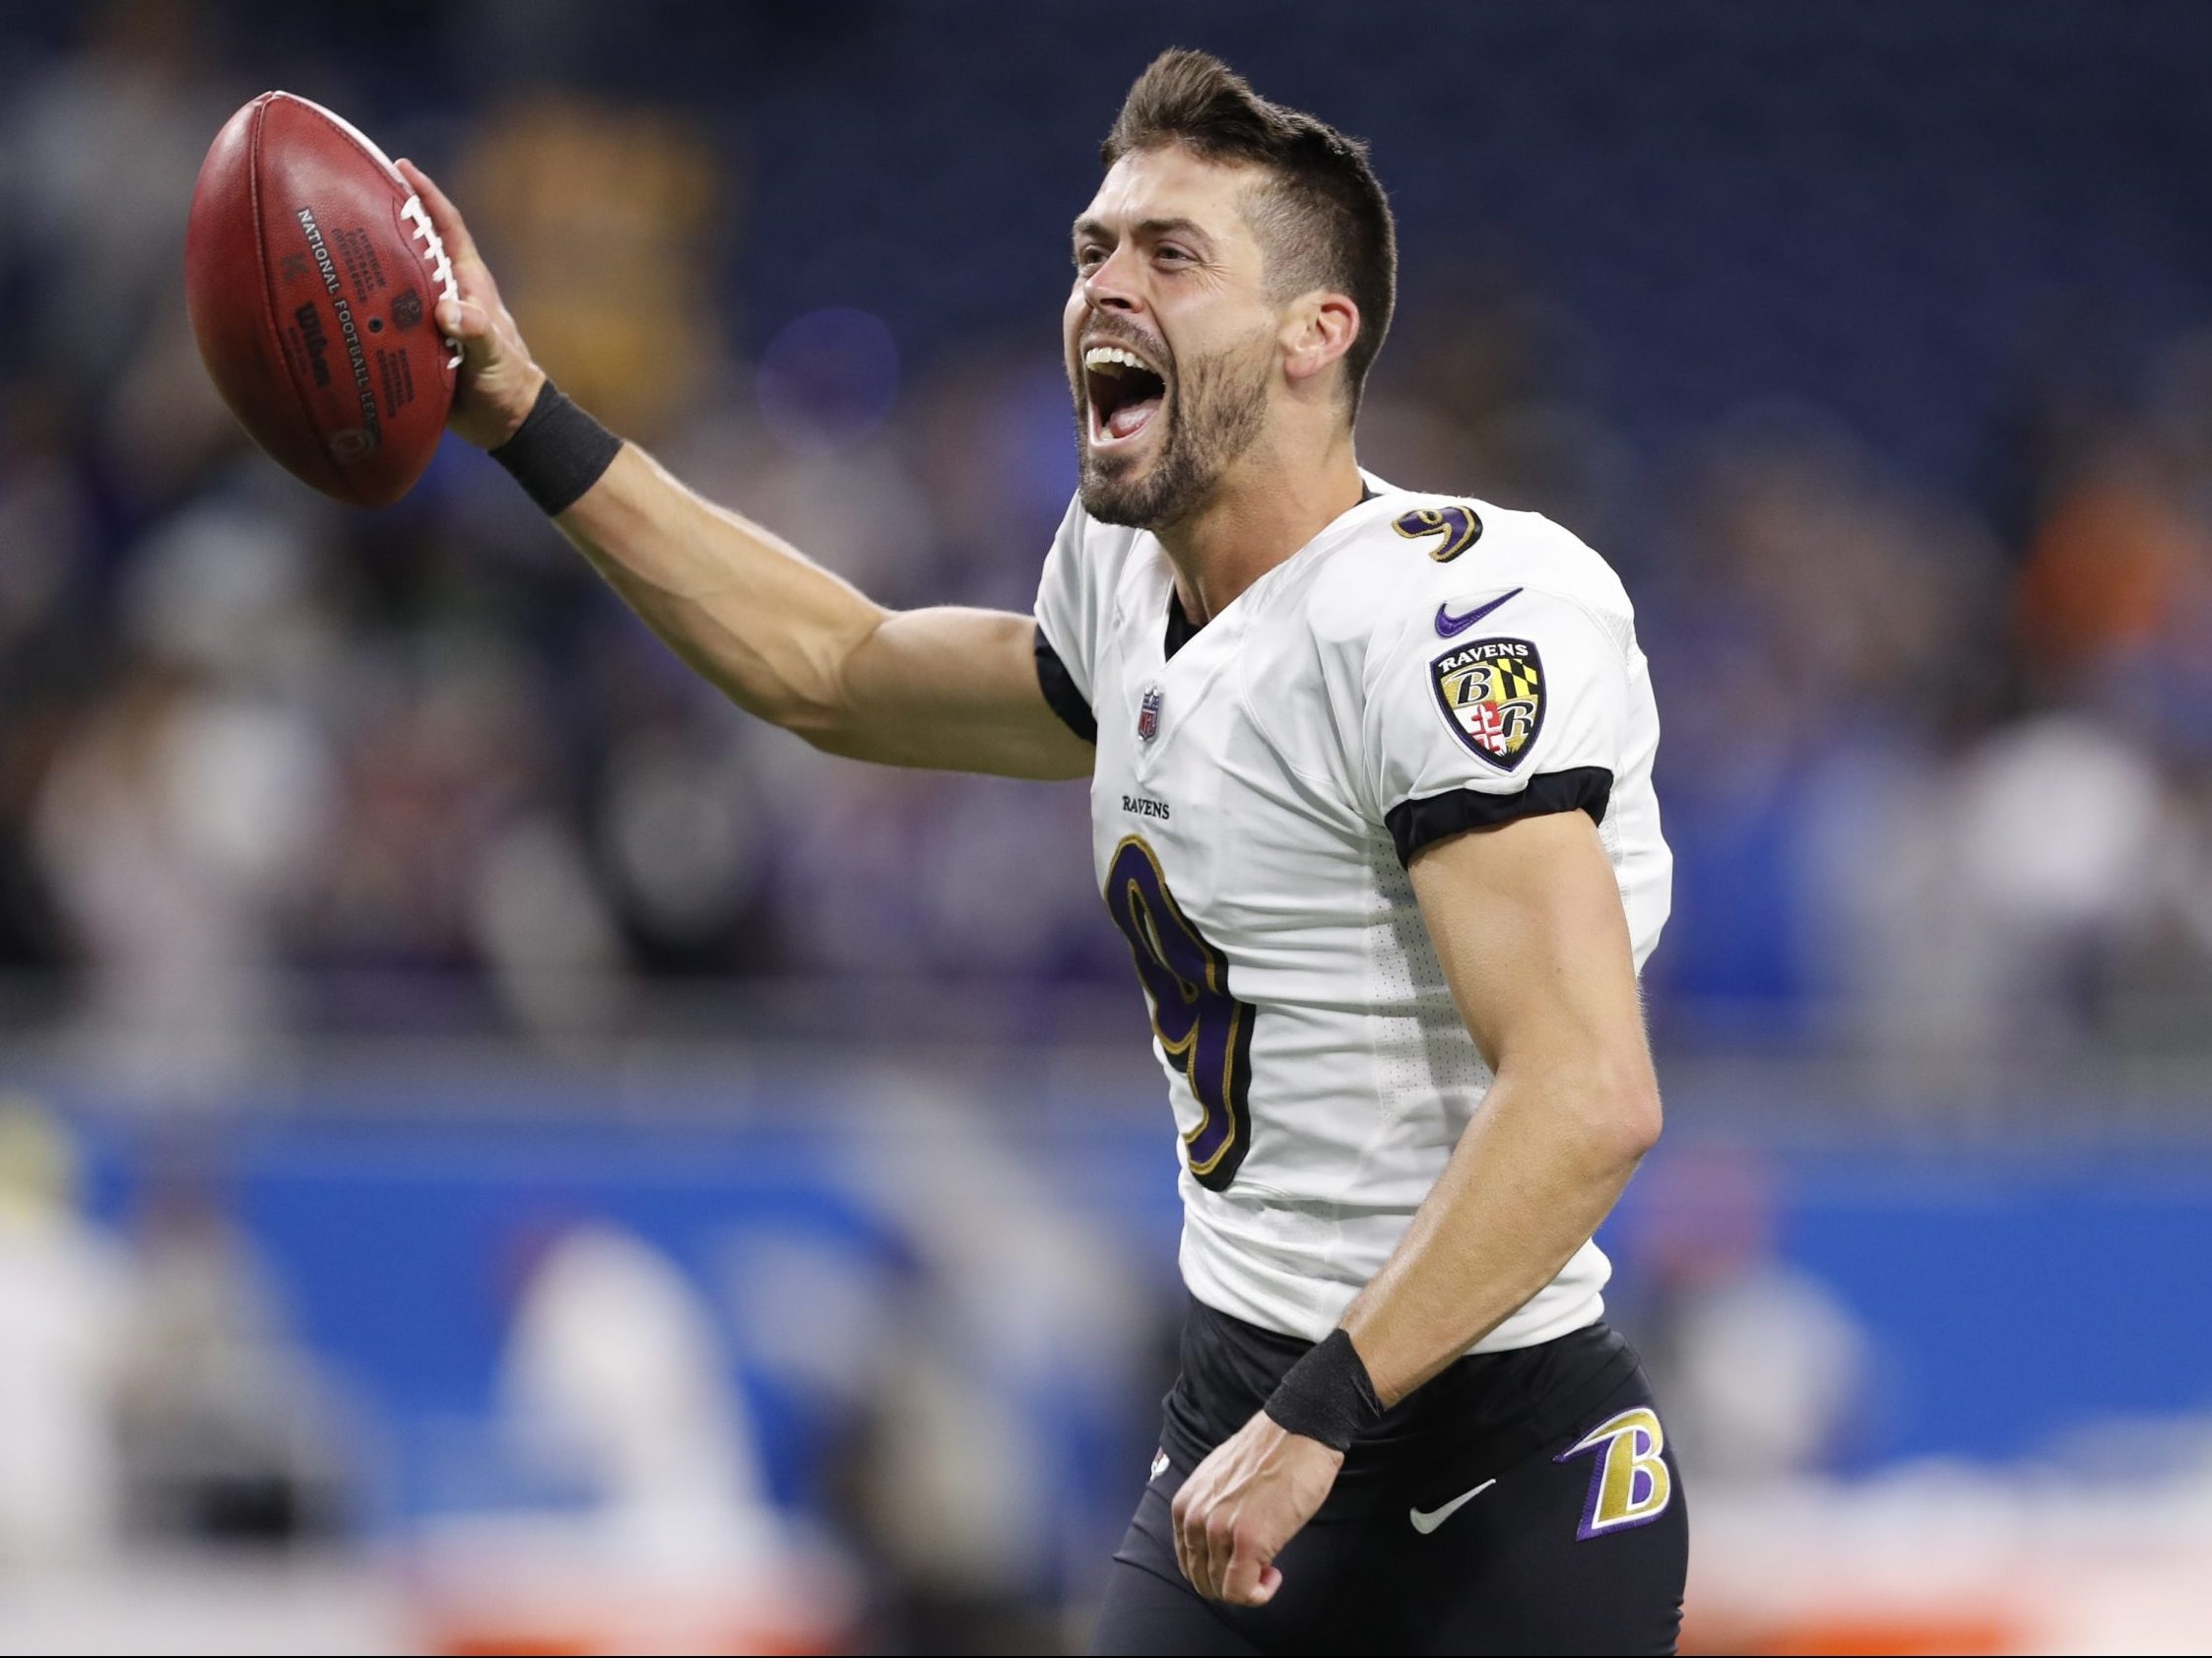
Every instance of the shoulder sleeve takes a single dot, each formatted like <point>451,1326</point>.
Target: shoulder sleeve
<point>1518,711</point>
<point>1069,615</point>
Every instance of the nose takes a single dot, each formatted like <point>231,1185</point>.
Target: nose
<point>1109,287</point>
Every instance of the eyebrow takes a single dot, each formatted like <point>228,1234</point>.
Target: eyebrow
<point>1145,227</point>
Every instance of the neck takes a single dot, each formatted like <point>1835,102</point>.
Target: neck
<point>1264,510</point>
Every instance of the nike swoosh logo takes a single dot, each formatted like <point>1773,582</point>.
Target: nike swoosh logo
<point>1426,1523</point>
<point>1447,623</point>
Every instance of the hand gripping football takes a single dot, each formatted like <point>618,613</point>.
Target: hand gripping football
<point>314,277</point>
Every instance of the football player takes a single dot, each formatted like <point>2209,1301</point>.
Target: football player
<point>1371,785</point>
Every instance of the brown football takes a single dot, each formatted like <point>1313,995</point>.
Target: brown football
<point>313,276</point>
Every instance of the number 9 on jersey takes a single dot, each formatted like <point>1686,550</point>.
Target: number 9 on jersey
<point>1199,1024</point>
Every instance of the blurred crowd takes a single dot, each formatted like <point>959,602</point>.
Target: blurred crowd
<point>153,1386</point>
<point>1935,754</point>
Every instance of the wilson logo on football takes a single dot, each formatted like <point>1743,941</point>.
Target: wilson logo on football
<point>1493,693</point>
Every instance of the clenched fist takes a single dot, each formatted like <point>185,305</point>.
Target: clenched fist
<point>1243,1503</point>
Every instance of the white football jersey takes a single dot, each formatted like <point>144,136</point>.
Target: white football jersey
<point>1426,664</point>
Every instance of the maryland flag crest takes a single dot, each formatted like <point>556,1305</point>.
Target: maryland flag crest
<point>1492,691</point>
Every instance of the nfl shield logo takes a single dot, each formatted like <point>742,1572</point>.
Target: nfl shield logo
<point>1148,715</point>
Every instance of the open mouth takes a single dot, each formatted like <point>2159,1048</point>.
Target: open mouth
<point>1124,391</point>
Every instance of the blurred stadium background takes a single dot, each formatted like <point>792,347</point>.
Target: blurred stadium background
<point>500,1154</point>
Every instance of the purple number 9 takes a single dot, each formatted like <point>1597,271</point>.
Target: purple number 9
<point>1199,1025</point>
<point>1460,526</point>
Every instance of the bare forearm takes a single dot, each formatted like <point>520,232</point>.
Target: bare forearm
<point>774,630</point>
<point>780,636</point>
<point>1536,1172</point>
<point>789,642</point>
<point>1572,1109</point>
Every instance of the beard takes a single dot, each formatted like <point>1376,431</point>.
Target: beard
<point>1215,413</point>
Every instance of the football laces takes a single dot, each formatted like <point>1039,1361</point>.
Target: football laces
<point>434,255</point>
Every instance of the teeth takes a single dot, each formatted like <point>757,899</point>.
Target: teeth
<point>1111,360</point>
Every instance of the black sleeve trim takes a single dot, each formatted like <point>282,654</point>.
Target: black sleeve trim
<point>1415,823</point>
<point>1060,690</point>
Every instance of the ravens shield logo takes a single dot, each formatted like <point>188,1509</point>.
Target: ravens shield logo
<point>1493,693</point>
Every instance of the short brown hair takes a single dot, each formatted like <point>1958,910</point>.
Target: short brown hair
<point>1325,222</point>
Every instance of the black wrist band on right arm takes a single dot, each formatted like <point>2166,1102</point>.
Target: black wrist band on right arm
<point>1328,1395</point>
<point>558,452</point>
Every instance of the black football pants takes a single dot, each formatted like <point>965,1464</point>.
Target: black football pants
<point>1582,1547</point>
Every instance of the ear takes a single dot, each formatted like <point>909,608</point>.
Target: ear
<point>1317,330</point>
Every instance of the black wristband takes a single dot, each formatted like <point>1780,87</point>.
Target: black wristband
<point>1328,1395</point>
<point>558,452</point>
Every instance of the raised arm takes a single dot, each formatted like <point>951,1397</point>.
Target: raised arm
<point>780,636</point>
